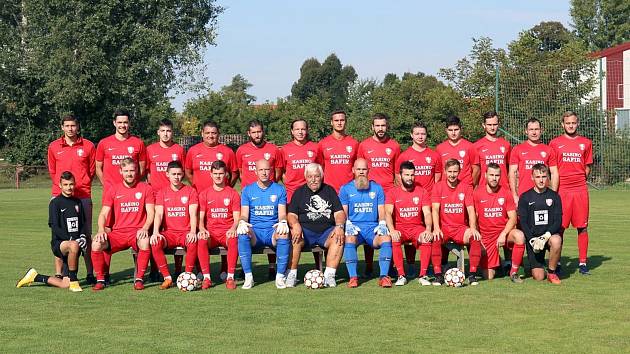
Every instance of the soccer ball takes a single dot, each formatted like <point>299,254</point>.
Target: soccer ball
<point>454,278</point>
<point>187,281</point>
<point>314,279</point>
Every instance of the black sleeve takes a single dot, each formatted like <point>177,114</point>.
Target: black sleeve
<point>296,200</point>
<point>523,214</point>
<point>82,219</point>
<point>334,198</point>
<point>555,227</point>
<point>58,232</point>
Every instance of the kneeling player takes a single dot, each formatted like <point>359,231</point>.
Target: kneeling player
<point>540,213</point>
<point>66,219</point>
<point>175,223</point>
<point>263,205</point>
<point>132,204</point>
<point>219,212</point>
<point>364,203</point>
<point>454,216</point>
<point>408,212</point>
<point>316,218</point>
<point>496,214</point>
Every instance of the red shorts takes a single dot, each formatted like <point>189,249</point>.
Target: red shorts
<point>174,238</point>
<point>455,234</point>
<point>217,239</point>
<point>411,234</point>
<point>122,239</point>
<point>490,256</point>
<point>574,208</point>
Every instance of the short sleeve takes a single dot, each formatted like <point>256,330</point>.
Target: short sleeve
<point>245,197</point>
<point>438,164</point>
<point>468,196</point>
<point>509,202</point>
<point>194,197</point>
<point>553,161</point>
<point>435,193</point>
<point>150,196</point>
<point>100,152</point>
<point>389,197</point>
<point>588,154</point>
<point>188,164</point>
<point>336,204</point>
<point>108,198</point>
<point>159,197</point>
<point>343,195</point>
<point>514,156</point>
<point>380,194</point>
<point>202,201</point>
<point>236,201</point>
<point>426,197</point>
<point>283,195</point>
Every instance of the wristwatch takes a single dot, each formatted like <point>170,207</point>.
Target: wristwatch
<point>341,226</point>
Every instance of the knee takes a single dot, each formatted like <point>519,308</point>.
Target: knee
<point>538,275</point>
<point>144,244</point>
<point>74,247</point>
<point>97,246</point>
<point>555,242</point>
<point>519,237</point>
<point>351,240</point>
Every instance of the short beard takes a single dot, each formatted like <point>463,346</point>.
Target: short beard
<point>362,182</point>
<point>408,185</point>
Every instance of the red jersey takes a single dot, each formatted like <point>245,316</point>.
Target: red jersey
<point>338,157</point>
<point>573,155</point>
<point>427,163</point>
<point>464,152</point>
<point>408,206</point>
<point>492,210</point>
<point>158,158</point>
<point>219,207</point>
<point>381,158</point>
<point>199,159</point>
<point>111,151</point>
<point>128,204</point>
<point>488,151</point>
<point>247,155</point>
<point>526,155</point>
<point>78,159</point>
<point>176,207</point>
<point>293,159</point>
<point>453,203</point>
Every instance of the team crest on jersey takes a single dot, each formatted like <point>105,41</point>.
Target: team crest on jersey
<point>549,201</point>
<point>174,157</point>
<point>582,147</point>
<point>130,149</point>
<point>428,159</point>
<point>226,201</point>
<point>76,207</point>
<point>273,198</point>
<point>309,153</point>
<point>349,148</point>
<point>416,200</point>
<point>462,153</point>
<point>501,201</point>
<point>543,154</point>
<point>502,148</point>
<point>80,152</point>
<point>219,156</point>
<point>138,195</point>
<point>184,199</point>
<point>267,156</point>
<point>388,151</point>
<point>460,196</point>
<point>372,195</point>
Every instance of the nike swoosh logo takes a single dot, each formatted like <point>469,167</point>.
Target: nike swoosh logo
<point>167,199</point>
<point>524,153</point>
<point>398,200</point>
<point>560,146</point>
<point>60,152</point>
<point>532,203</point>
<point>210,201</point>
<point>444,154</point>
<point>443,197</point>
<point>352,195</point>
<point>110,149</point>
<point>199,155</point>
<point>247,155</point>
<point>484,150</point>
<point>411,160</point>
<point>328,149</point>
<point>254,198</point>
<point>62,210</point>
<point>154,156</point>
<point>483,201</point>
<point>290,155</point>
<point>370,151</point>
<point>119,196</point>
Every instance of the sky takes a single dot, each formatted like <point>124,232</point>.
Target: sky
<point>267,41</point>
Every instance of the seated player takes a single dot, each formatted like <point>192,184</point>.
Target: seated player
<point>540,213</point>
<point>496,215</point>
<point>263,223</point>
<point>219,212</point>
<point>132,204</point>
<point>66,219</point>
<point>408,212</point>
<point>454,216</point>
<point>316,218</point>
<point>363,201</point>
<point>175,222</point>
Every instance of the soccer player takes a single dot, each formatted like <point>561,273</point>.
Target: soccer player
<point>338,152</point>
<point>67,221</point>
<point>75,154</point>
<point>162,152</point>
<point>540,213</point>
<point>363,201</point>
<point>263,223</point>
<point>132,204</point>
<point>295,155</point>
<point>175,221</point>
<point>525,155</point>
<point>454,216</point>
<point>496,215</point>
<point>491,149</point>
<point>408,213</point>
<point>316,218</point>
<point>219,213</point>
<point>200,157</point>
<point>456,147</point>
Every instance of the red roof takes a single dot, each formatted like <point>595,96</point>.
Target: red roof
<point>612,50</point>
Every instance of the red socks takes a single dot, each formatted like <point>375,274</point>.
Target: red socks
<point>425,258</point>
<point>517,258</point>
<point>474,253</point>
<point>159,257</point>
<point>232,255</point>
<point>436,256</point>
<point>143,263</point>
<point>98,262</point>
<point>191,256</point>
<point>582,239</point>
<point>398,258</point>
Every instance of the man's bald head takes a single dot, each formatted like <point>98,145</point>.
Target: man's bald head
<point>263,170</point>
<point>360,171</point>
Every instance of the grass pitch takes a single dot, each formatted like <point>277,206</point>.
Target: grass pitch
<point>584,314</point>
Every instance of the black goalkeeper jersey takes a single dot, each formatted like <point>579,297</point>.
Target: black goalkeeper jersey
<point>66,218</point>
<point>540,212</point>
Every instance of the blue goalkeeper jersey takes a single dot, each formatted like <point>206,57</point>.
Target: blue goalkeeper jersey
<point>263,203</point>
<point>362,203</point>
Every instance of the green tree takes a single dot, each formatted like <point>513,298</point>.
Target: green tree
<point>601,24</point>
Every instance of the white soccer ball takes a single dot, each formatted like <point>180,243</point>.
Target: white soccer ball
<point>187,281</point>
<point>314,279</point>
<point>454,277</point>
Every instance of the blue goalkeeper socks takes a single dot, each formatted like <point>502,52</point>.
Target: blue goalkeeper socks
<point>350,254</point>
<point>385,258</point>
<point>283,247</point>
<point>245,253</point>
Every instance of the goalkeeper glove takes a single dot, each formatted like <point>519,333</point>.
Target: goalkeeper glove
<point>351,229</point>
<point>381,229</point>
<point>82,241</point>
<point>243,227</point>
<point>282,228</point>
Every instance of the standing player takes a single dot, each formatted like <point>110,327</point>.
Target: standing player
<point>219,213</point>
<point>454,216</point>
<point>295,155</point>
<point>75,154</point>
<point>491,149</point>
<point>496,215</point>
<point>263,223</point>
<point>540,213</point>
<point>67,221</point>
<point>408,212</point>
<point>456,147</point>
<point>200,157</point>
<point>575,157</point>
<point>338,152</point>
<point>316,219</point>
<point>132,204</point>
<point>525,155</point>
<point>175,221</point>
<point>159,154</point>
<point>363,201</point>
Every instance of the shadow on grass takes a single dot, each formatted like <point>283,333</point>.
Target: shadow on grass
<point>570,264</point>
